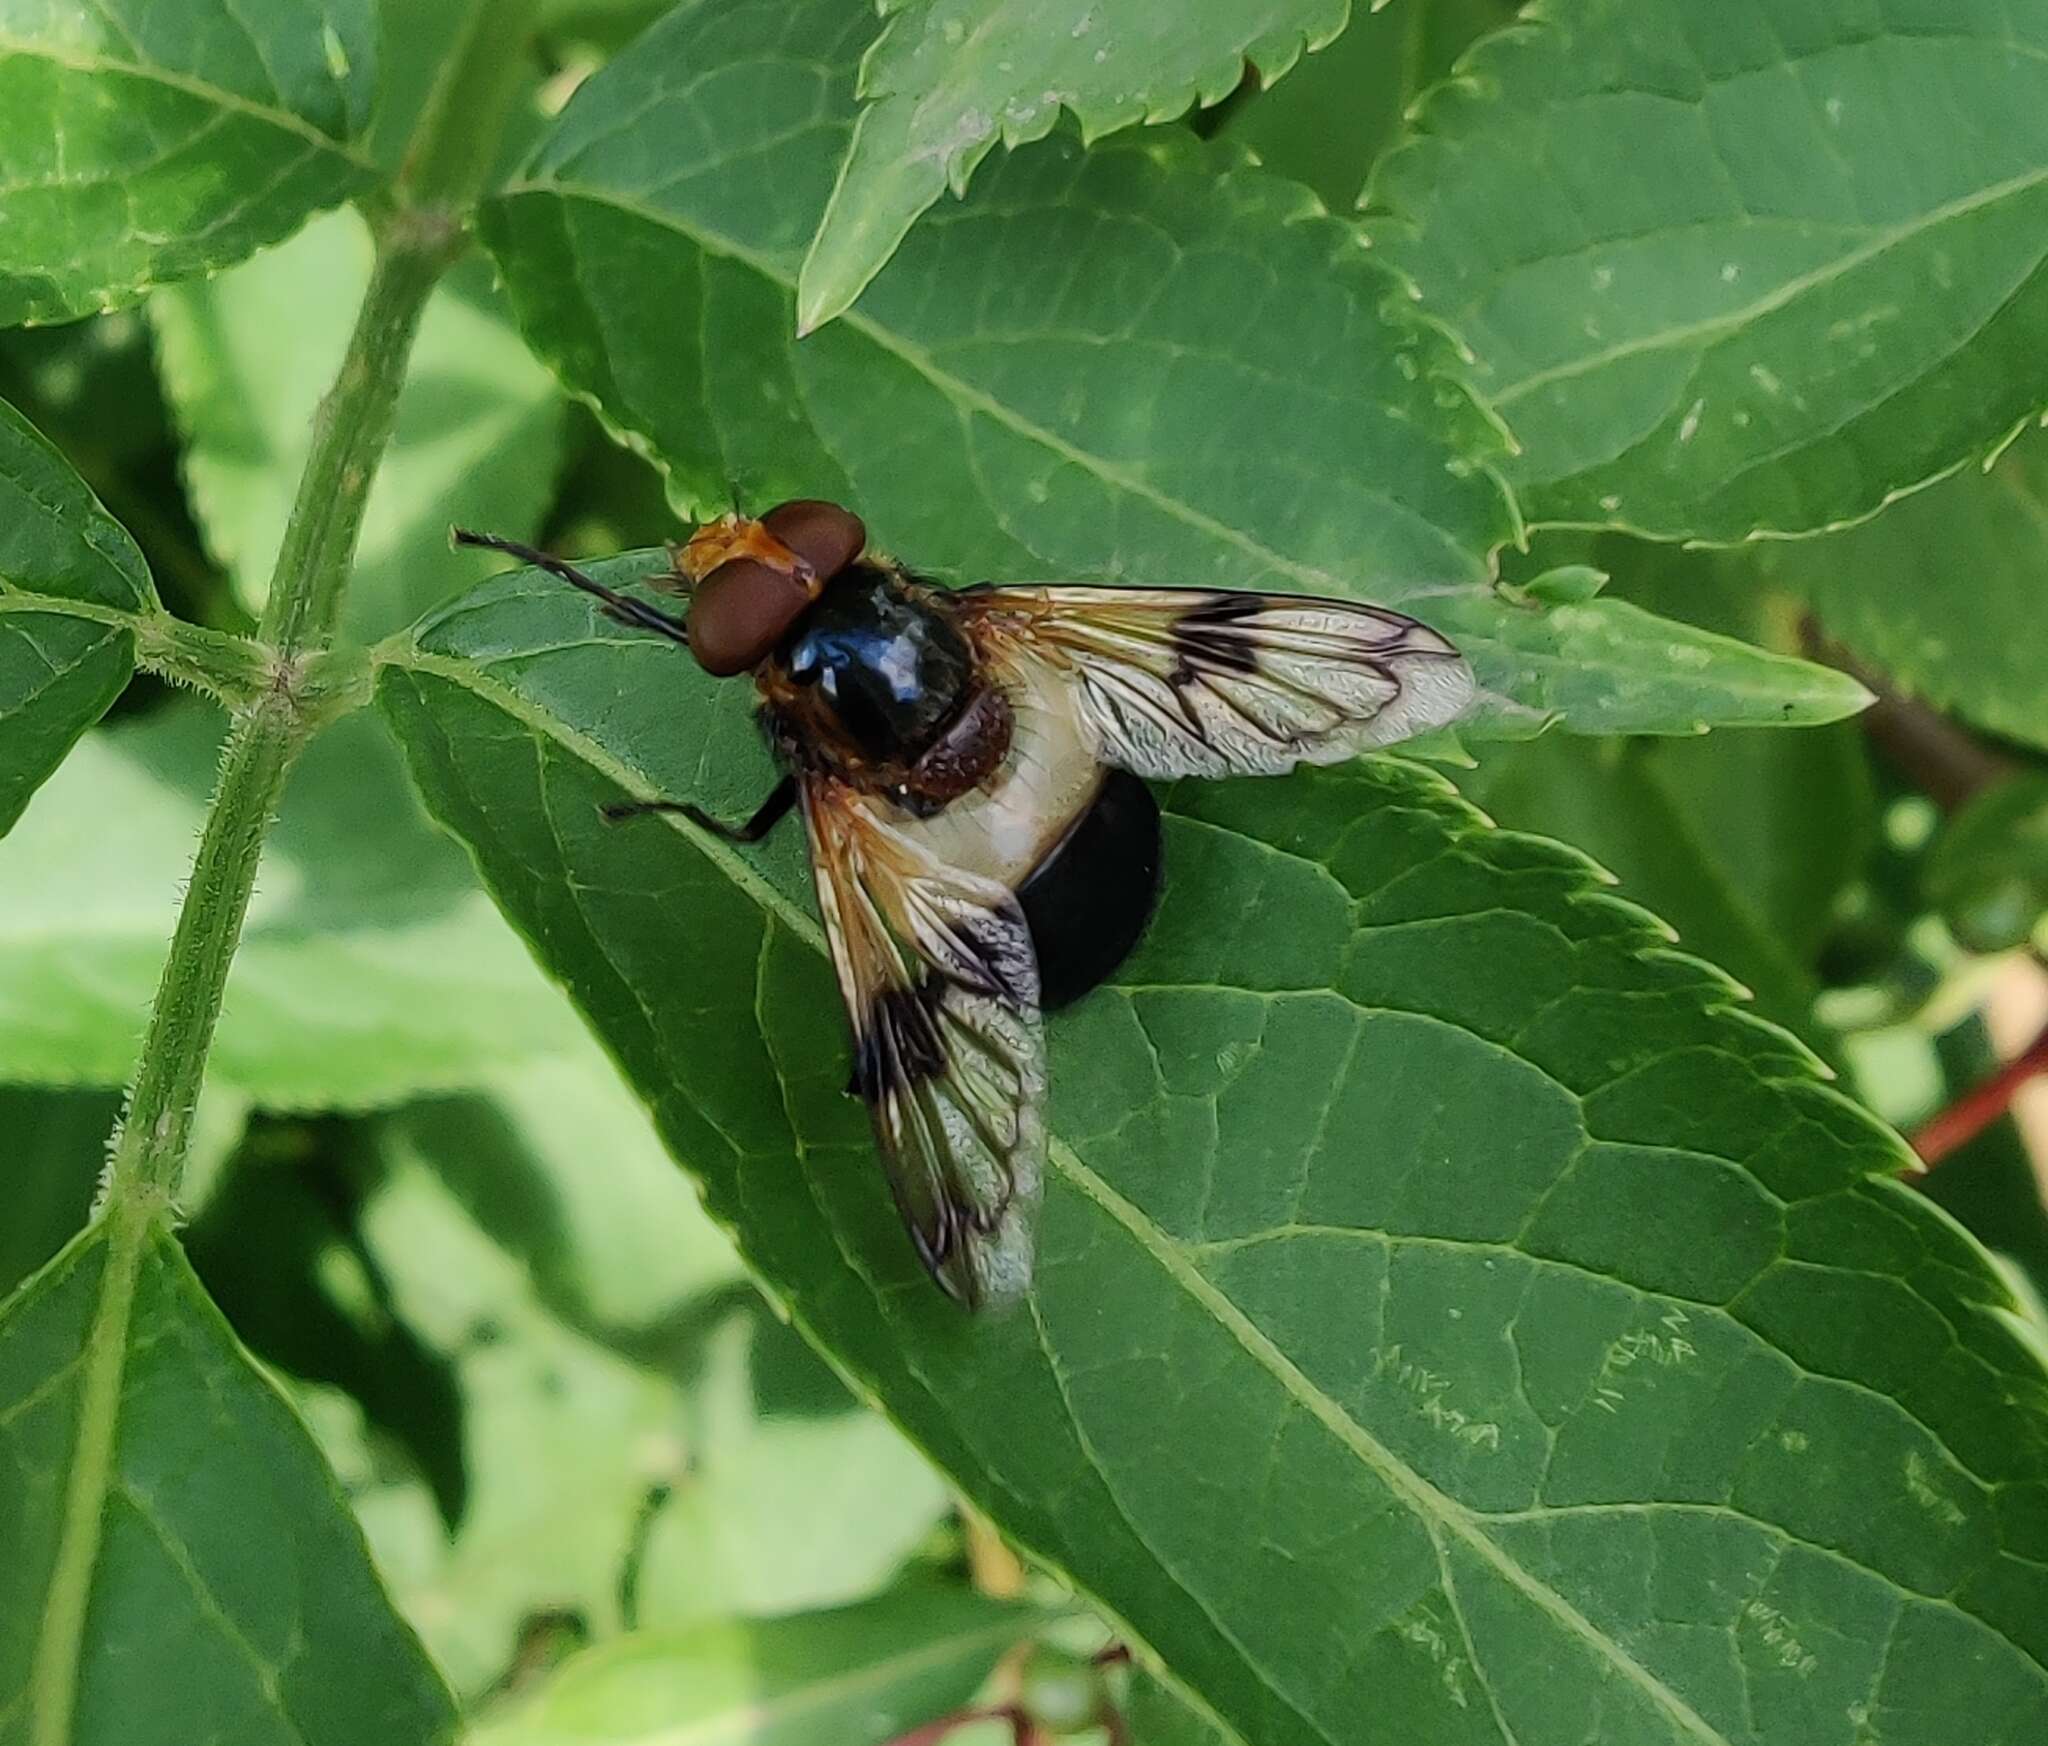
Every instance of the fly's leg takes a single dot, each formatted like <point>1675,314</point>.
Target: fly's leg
<point>766,817</point>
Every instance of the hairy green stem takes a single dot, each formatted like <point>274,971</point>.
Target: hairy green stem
<point>306,589</point>
<point>267,734</point>
<point>279,695</point>
<point>449,156</point>
<point>349,434</point>
<point>159,1120</point>
<point>417,239</point>
<point>232,669</point>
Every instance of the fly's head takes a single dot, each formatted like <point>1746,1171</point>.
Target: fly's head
<point>751,580</point>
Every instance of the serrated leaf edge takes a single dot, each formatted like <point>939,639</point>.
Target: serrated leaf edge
<point>1790,1067</point>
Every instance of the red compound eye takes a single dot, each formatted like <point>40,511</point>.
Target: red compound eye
<point>744,608</point>
<point>827,536</point>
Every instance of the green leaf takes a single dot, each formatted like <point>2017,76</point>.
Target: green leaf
<point>392,1503</point>
<point>947,77</point>
<point>417,50</point>
<point>57,1143</point>
<point>1341,107</point>
<point>143,142</point>
<point>1743,842</point>
<point>223,1592</point>
<point>1451,1307</point>
<point>975,427</point>
<point>1160,1716</point>
<point>606,24</point>
<point>371,968</point>
<point>1988,873</point>
<point>1325,122</point>
<point>789,1504</point>
<point>1031,389</point>
<point>1567,585</point>
<point>614,1251</point>
<point>92,385</point>
<point>71,581</point>
<point>856,1677</point>
<point>719,1468</point>
<point>1739,268</point>
<point>477,439</point>
<point>1605,666</point>
<point>56,1149</point>
<point>1944,591</point>
<point>539,1402</point>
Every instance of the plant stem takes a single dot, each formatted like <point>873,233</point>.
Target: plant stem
<point>415,245</point>
<point>349,434</point>
<point>159,1119</point>
<point>418,236</point>
<point>281,699</point>
<point>313,561</point>
<point>1970,1114</point>
<point>449,155</point>
<point>266,736</point>
<point>232,669</point>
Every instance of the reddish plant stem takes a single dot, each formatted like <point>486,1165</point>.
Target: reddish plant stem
<point>1970,1114</point>
<point>1022,1733</point>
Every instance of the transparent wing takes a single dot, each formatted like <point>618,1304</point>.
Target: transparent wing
<point>1192,682</point>
<point>940,981</point>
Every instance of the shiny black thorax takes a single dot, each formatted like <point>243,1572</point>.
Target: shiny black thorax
<point>876,682</point>
<point>885,670</point>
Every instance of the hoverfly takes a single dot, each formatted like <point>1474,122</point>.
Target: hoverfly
<point>970,766</point>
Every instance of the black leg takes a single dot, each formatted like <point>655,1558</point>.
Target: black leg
<point>766,817</point>
<point>618,606</point>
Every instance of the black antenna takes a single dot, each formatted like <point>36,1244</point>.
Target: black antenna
<point>618,606</point>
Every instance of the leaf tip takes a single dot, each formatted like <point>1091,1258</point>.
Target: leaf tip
<point>823,292</point>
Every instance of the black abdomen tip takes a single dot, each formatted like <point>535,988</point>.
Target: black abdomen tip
<point>1088,901</point>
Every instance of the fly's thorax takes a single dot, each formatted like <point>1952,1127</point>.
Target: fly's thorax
<point>873,673</point>
<point>967,753</point>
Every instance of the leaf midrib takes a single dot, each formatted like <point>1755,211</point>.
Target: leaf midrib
<point>26,600</point>
<point>1713,327</point>
<point>283,119</point>
<point>60,1641</point>
<point>1430,1506</point>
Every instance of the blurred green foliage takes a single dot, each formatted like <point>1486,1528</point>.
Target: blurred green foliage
<point>602,1480</point>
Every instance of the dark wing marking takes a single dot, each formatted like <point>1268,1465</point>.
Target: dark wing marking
<point>1191,682</point>
<point>940,981</point>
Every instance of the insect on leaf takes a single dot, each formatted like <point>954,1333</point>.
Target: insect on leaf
<point>1032,391</point>
<point>1425,1241</point>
